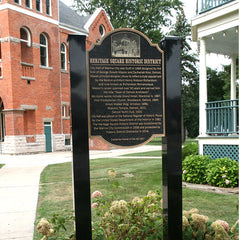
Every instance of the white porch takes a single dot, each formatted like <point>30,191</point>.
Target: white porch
<point>216,29</point>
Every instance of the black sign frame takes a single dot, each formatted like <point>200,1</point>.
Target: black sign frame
<point>126,96</point>
<point>171,143</point>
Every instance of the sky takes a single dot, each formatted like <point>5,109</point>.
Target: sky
<point>190,12</point>
<point>189,6</point>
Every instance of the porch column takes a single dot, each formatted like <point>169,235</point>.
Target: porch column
<point>233,91</point>
<point>233,77</point>
<point>202,89</point>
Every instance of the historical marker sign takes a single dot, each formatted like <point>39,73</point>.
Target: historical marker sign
<point>125,90</point>
<point>125,87</point>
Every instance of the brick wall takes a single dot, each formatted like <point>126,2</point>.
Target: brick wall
<point>33,94</point>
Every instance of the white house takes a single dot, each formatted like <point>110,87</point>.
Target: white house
<point>216,29</point>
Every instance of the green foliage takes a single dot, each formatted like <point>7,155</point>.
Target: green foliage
<point>199,227</point>
<point>149,17</point>
<point>189,149</point>
<point>155,141</point>
<point>56,229</point>
<point>215,83</point>
<point>194,168</point>
<point>140,218</point>
<point>189,74</point>
<point>222,172</point>
<point>226,74</point>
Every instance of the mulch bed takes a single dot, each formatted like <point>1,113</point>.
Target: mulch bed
<point>209,188</point>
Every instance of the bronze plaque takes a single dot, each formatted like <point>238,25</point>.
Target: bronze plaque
<point>125,89</point>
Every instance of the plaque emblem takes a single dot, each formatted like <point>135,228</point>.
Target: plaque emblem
<point>125,45</point>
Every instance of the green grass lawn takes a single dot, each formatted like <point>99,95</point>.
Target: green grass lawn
<point>1,165</point>
<point>155,141</point>
<point>145,154</point>
<point>136,177</point>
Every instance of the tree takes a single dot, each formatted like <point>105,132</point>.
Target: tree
<point>219,83</point>
<point>215,85</point>
<point>190,76</point>
<point>148,17</point>
<point>226,75</point>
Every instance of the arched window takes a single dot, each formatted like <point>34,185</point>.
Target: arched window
<point>43,50</point>
<point>25,36</point>
<point>63,57</point>
<point>26,53</point>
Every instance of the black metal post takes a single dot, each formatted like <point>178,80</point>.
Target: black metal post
<point>81,174</point>
<point>171,143</point>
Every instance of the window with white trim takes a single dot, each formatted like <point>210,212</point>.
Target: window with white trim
<point>39,5</point>
<point>28,3</point>
<point>48,7</point>
<point>67,140</point>
<point>2,122</point>
<point>25,36</point>
<point>18,2</point>
<point>63,57</point>
<point>43,50</point>
<point>66,110</point>
<point>26,52</point>
<point>102,30</point>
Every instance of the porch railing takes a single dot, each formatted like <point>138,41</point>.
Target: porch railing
<point>222,117</point>
<point>205,5</point>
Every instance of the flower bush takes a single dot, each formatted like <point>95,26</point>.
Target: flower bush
<point>141,218</point>
<point>196,226</point>
<point>55,228</point>
<point>189,149</point>
<point>194,168</point>
<point>222,172</point>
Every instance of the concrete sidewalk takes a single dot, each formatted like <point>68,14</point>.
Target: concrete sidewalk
<point>19,185</point>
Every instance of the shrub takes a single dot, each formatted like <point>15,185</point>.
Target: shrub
<point>222,172</point>
<point>139,219</point>
<point>55,228</point>
<point>189,149</point>
<point>194,168</point>
<point>196,226</point>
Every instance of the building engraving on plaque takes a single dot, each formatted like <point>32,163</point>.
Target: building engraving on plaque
<point>125,45</point>
<point>126,90</point>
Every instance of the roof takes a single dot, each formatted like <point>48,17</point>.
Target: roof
<point>71,19</point>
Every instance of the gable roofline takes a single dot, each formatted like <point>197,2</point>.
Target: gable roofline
<point>94,16</point>
<point>71,20</point>
<point>73,29</point>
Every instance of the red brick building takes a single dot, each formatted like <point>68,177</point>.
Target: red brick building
<point>34,72</point>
